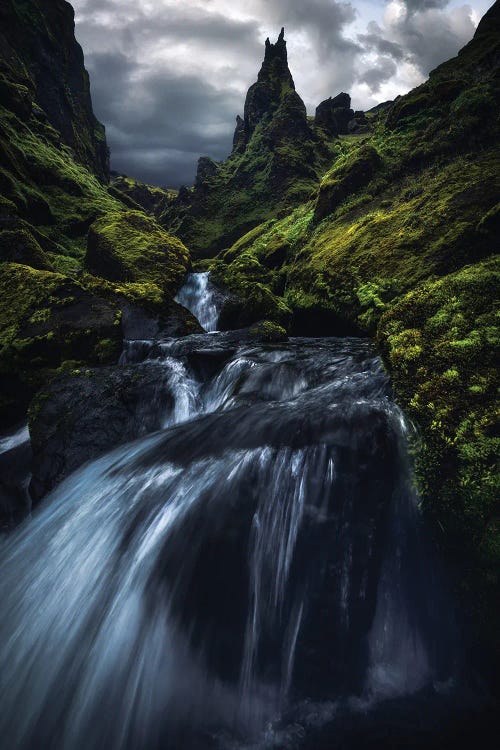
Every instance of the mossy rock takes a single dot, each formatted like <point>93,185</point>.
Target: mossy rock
<point>47,319</point>
<point>254,303</point>
<point>414,103</point>
<point>441,344</point>
<point>19,246</point>
<point>16,97</point>
<point>269,332</point>
<point>129,246</point>
<point>153,200</point>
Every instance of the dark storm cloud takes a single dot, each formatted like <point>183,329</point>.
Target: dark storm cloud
<point>379,74</point>
<point>415,6</point>
<point>374,40</point>
<point>155,117</point>
<point>324,19</point>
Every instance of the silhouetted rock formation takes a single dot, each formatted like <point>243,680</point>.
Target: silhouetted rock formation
<point>334,115</point>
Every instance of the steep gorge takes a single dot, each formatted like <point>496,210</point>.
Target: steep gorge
<point>253,451</point>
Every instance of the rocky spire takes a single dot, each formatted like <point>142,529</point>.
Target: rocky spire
<point>278,50</point>
<point>273,86</point>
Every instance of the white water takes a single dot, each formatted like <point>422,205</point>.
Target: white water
<point>19,437</point>
<point>200,297</point>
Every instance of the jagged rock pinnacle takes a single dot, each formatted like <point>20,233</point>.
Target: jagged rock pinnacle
<point>277,50</point>
<point>274,84</point>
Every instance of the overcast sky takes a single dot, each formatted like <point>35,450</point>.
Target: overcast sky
<point>168,77</point>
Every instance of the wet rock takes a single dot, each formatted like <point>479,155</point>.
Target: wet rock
<point>80,416</point>
<point>15,472</point>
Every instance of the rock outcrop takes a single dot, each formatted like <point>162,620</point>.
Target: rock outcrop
<point>334,115</point>
<point>400,241</point>
<point>277,159</point>
<point>41,68</point>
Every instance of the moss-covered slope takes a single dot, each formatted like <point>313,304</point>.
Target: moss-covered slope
<point>399,242</point>
<point>75,253</point>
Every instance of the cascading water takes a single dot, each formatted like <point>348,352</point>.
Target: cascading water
<point>202,299</point>
<point>238,579</point>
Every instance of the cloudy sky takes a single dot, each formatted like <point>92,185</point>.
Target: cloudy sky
<point>168,77</point>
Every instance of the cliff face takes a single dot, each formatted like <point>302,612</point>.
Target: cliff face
<point>399,241</point>
<point>77,256</point>
<point>277,160</point>
<point>41,62</point>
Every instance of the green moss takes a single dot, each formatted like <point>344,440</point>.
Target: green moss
<point>128,246</point>
<point>107,350</point>
<point>46,320</point>
<point>19,246</point>
<point>353,170</point>
<point>441,342</point>
<point>269,331</point>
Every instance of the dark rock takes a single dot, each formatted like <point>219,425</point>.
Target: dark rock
<point>19,246</point>
<point>16,97</point>
<point>342,100</point>
<point>47,319</point>
<point>268,332</point>
<point>239,135</point>
<point>15,473</point>
<point>78,417</point>
<point>184,195</point>
<point>413,103</point>
<point>207,168</point>
<point>137,195</point>
<point>334,115</point>
<point>264,97</point>
<point>174,320</point>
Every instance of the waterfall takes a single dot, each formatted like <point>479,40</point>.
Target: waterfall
<point>202,299</point>
<point>260,553</point>
<point>241,578</point>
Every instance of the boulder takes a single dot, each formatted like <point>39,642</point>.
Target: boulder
<point>79,416</point>
<point>46,320</point>
<point>131,247</point>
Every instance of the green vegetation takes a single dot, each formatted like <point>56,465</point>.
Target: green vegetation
<point>48,320</point>
<point>151,199</point>
<point>441,344</point>
<point>130,246</point>
<point>277,162</point>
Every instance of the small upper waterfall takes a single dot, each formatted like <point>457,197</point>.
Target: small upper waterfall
<point>202,299</point>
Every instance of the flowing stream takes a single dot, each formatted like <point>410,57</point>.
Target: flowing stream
<point>241,578</point>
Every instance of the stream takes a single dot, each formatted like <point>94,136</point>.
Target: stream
<point>254,575</point>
